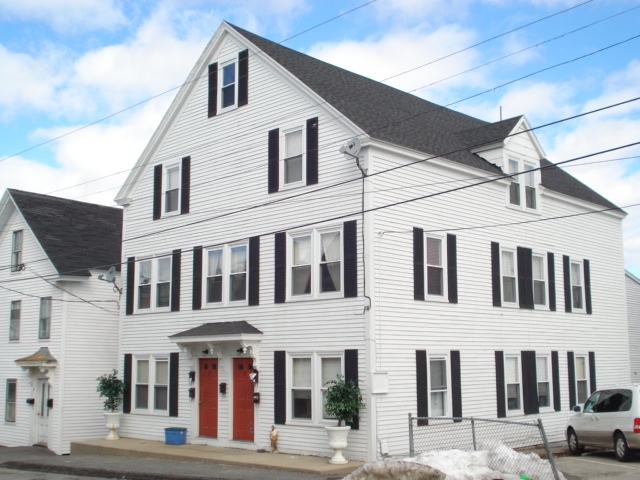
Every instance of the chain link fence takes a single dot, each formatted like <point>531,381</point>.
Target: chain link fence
<point>428,434</point>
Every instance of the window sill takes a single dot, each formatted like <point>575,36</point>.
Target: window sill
<point>301,423</point>
<point>520,208</point>
<point>547,410</point>
<point>515,413</point>
<point>308,298</point>
<point>152,310</point>
<point>222,109</point>
<point>510,305</point>
<point>436,298</point>
<point>215,306</point>
<point>292,186</point>
<point>146,413</point>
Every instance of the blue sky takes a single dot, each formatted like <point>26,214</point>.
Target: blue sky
<point>68,63</point>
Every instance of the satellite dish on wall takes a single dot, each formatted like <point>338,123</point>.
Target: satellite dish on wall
<point>351,148</point>
<point>111,278</point>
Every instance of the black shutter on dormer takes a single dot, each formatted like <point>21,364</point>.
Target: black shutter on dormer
<point>280,280</point>
<point>501,394</point>
<point>571,370</point>
<point>254,271</point>
<point>587,286</point>
<point>566,268</point>
<point>185,192</point>
<point>418,263</point>
<point>452,269</point>
<point>555,375</point>
<point>175,280</point>
<point>274,160</point>
<point>495,275</point>
<point>422,387</point>
<point>351,375</point>
<point>551,269</point>
<point>126,378</point>
<point>213,90</point>
<point>174,368</point>
<point>243,78</point>
<point>525,277</point>
<point>131,287</point>
<point>157,192</point>
<point>529,383</point>
<point>196,294</point>
<point>350,247</point>
<point>312,151</point>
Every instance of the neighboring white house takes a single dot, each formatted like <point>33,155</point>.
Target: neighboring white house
<point>59,322</point>
<point>633,311</point>
<point>247,250</point>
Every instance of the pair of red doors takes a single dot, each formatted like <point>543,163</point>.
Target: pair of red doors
<point>242,398</point>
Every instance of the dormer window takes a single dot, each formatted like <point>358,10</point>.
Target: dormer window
<point>514,188</point>
<point>529,186</point>
<point>523,185</point>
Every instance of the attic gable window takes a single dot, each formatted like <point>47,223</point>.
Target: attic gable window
<point>16,251</point>
<point>172,189</point>
<point>228,86</point>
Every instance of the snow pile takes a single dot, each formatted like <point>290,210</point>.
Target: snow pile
<point>396,470</point>
<point>461,465</point>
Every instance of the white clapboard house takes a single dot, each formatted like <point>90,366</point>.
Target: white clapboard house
<point>248,251</point>
<point>633,311</point>
<point>59,322</point>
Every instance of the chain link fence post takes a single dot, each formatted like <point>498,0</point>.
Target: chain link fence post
<point>410,436</point>
<point>548,448</point>
<point>473,434</point>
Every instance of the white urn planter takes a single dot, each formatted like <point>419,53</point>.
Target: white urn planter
<point>113,423</point>
<point>338,442</point>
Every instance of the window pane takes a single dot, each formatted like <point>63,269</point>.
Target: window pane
<point>214,289</point>
<point>543,394</point>
<point>530,197</point>
<point>512,375</point>
<point>144,296</point>
<point>539,293</point>
<point>14,325</point>
<point>164,269</point>
<point>214,264</point>
<point>160,398</point>
<point>438,374</point>
<point>238,287</point>
<point>542,370</point>
<point>143,371</point>
<point>173,178</point>
<point>293,144</point>
<point>302,372</point>
<point>514,187</point>
<point>45,318</point>
<point>228,96</point>
<point>538,268</point>
<point>162,372</point>
<point>302,250</point>
<point>228,74</point>
<point>576,293</point>
<point>330,247</point>
<point>144,275</point>
<point>163,294</point>
<point>142,396</point>
<point>171,201</point>
<point>582,391</point>
<point>301,403</point>
<point>576,277</point>
<point>293,169</point>
<point>581,368</point>
<point>434,252</point>
<point>239,259</point>
<point>331,367</point>
<point>329,277</point>
<point>435,281</point>
<point>10,401</point>
<point>513,397</point>
<point>438,404</point>
<point>301,280</point>
<point>509,289</point>
<point>508,264</point>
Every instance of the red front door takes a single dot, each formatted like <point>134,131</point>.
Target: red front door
<point>209,397</point>
<point>242,399</point>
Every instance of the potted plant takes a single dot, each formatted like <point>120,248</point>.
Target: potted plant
<point>343,401</point>
<point>111,387</point>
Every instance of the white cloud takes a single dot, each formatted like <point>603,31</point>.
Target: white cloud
<point>66,16</point>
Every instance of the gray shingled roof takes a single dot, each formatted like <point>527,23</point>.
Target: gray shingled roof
<point>391,115</point>
<point>76,236</point>
<point>217,329</point>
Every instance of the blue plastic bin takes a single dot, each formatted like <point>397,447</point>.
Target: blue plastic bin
<point>175,436</point>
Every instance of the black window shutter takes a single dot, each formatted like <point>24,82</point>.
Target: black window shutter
<point>243,78</point>
<point>280,281</point>
<point>174,359</point>
<point>131,287</point>
<point>500,387</point>
<point>555,374</point>
<point>350,246</point>
<point>351,374</point>
<point>126,378</point>
<point>587,285</point>
<point>495,276</point>
<point>279,387</point>
<point>525,277</point>
<point>312,151</point>
<point>529,382</point>
<point>213,90</point>
<point>175,280</point>
<point>592,371</point>
<point>551,269</point>
<point>456,385</point>
<point>422,386</point>
<point>196,298</point>
<point>157,192</point>
<point>254,271</point>
<point>452,268</point>
<point>418,263</point>
<point>274,160</point>
<point>566,267</point>
<point>185,193</point>
<point>572,380</point>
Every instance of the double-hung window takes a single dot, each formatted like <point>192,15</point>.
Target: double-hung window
<point>316,263</point>
<point>293,164</point>
<point>10,400</point>
<point>438,387</point>
<point>309,376</point>
<point>543,379</point>
<point>582,378</point>
<point>514,187</point>
<point>44,329</point>
<point>435,266</point>
<point>16,251</point>
<point>577,292</point>
<point>152,384</point>
<point>524,184</point>
<point>228,85</point>
<point>14,321</point>
<point>172,189</point>
<point>513,383</point>
<point>530,186</point>
<point>509,277</point>
<point>154,283</point>
<point>226,275</point>
<point>539,280</point>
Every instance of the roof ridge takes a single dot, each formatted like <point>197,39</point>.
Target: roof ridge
<point>60,199</point>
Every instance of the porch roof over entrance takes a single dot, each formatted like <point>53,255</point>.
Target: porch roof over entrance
<point>218,332</point>
<point>42,359</point>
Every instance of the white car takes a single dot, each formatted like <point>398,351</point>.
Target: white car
<point>609,419</point>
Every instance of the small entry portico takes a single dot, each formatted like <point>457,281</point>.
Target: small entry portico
<point>223,356</point>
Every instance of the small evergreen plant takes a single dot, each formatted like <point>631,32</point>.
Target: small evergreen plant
<point>343,399</point>
<point>110,387</point>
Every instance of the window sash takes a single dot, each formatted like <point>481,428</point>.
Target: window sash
<point>438,387</point>
<point>509,284</point>
<point>539,281</point>
<point>544,387</point>
<point>14,322</point>
<point>228,85</point>
<point>582,378</point>
<point>44,328</point>
<point>316,263</point>
<point>576,285</point>
<point>226,274</point>
<point>163,283</point>
<point>16,251</point>
<point>151,388</point>
<point>293,164</point>
<point>330,262</point>
<point>514,187</point>
<point>530,186</point>
<point>10,400</point>
<point>307,384</point>
<point>513,383</point>
<point>172,189</point>
<point>435,269</point>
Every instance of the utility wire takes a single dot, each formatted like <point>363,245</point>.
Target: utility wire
<point>55,299</point>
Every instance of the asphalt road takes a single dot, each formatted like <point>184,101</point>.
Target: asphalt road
<point>598,466</point>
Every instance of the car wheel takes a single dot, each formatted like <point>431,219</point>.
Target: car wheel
<point>574,445</point>
<point>623,453</point>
